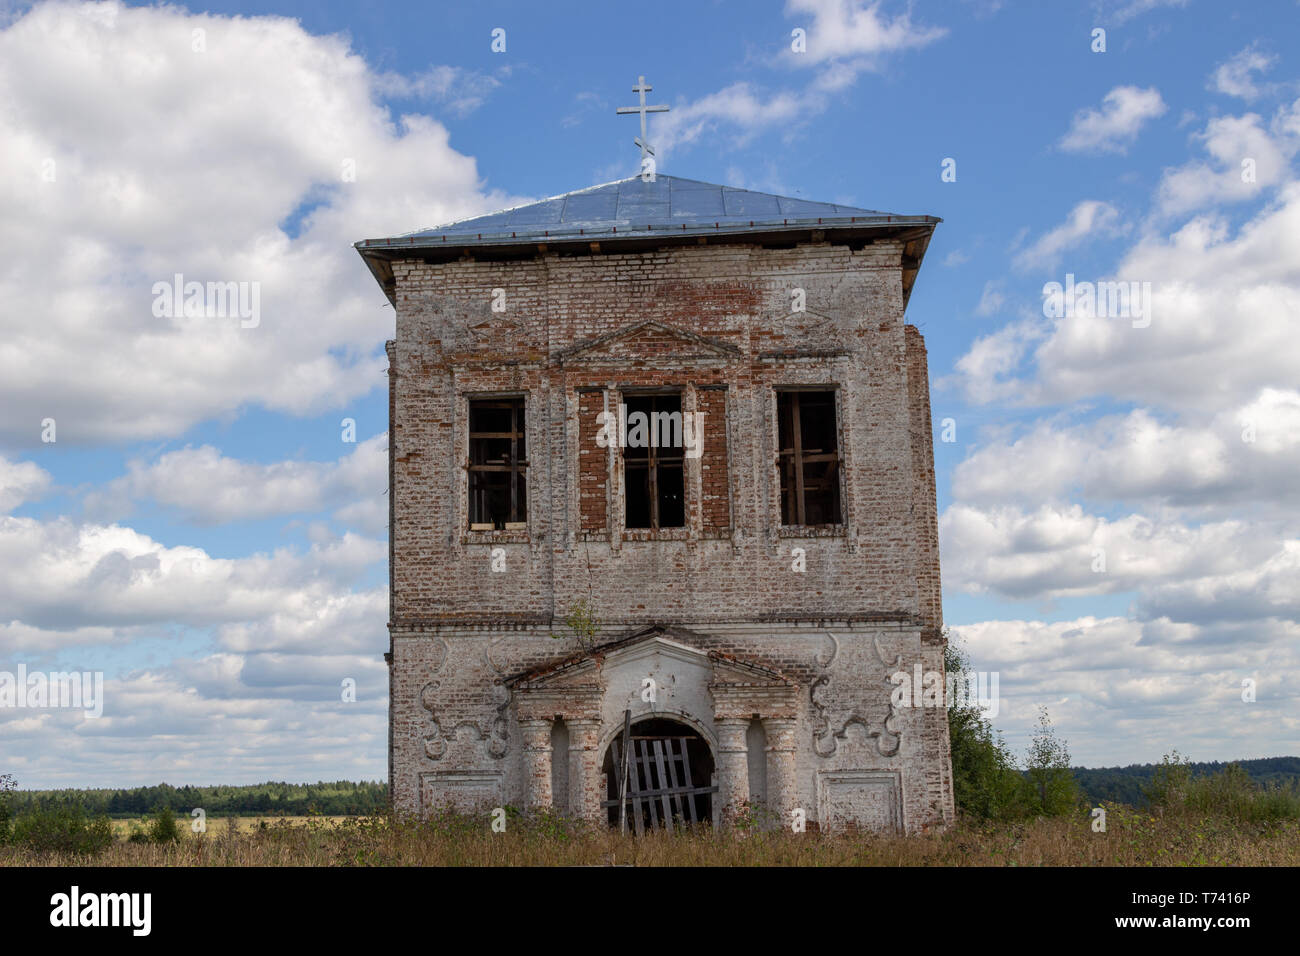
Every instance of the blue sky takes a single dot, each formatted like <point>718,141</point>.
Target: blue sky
<point>199,531</point>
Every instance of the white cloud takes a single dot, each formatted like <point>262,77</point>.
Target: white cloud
<point>845,37</point>
<point>1243,457</point>
<point>461,90</point>
<point>1246,158</point>
<point>1221,325</point>
<point>1233,77</point>
<point>21,481</point>
<point>222,719</point>
<point>285,629</point>
<point>741,106</point>
<point>206,487</point>
<point>1126,10</point>
<point>1090,219</point>
<point>1127,691</point>
<point>1052,551</point>
<point>1124,111</point>
<point>991,299</point>
<point>61,575</point>
<point>166,160</point>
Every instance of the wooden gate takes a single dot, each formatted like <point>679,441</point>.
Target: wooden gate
<point>660,792</point>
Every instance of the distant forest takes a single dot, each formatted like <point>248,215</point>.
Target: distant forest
<point>1125,784</point>
<point>345,798</point>
<point>339,798</point>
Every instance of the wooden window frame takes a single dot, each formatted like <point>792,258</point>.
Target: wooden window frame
<point>797,507</point>
<point>653,460</point>
<point>516,466</point>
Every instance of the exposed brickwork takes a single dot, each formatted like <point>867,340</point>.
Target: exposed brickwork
<point>715,484</point>
<point>926,506</point>
<point>593,464</point>
<point>716,323</point>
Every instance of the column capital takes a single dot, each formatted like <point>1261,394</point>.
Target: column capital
<point>584,733</point>
<point>780,732</point>
<point>536,732</point>
<point>732,733</point>
<point>733,721</point>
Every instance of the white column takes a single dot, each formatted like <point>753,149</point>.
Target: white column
<point>782,785</point>
<point>537,762</point>
<point>733,765</point>
<point>586,784</point>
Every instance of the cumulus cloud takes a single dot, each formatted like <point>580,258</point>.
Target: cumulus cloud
<point>1126,10</point>
<point>1246,156</point>
<point>461,90</point>
<point>64,574</point>
<point>206,487</point>
<point>1233,77</point>
<point>1088,220</point>
<point>1127,691</point>
<point>1059,551</point>
<point>134,153</point>
<point>742,107</point>
<point>845,37</point>
<point>281,632</point>
<point>21,481</point>
<point>1245,456</point>
<point>201,722</point>
<point>992,298</point>
<point>1114,127</point>
<point>1220,325</point>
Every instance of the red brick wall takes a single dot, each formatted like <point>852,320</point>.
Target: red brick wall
<point>926,508</point>
<point>593,464</point>
<point>736,299</point>
<point>715,486</point>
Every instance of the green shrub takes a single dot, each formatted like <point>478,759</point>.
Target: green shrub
<point>163,828</point>
<point>63,830</point>
<point>1229,794</point>
<point>1047,765</point>
<point>7,786</point>
<point>986,782</point>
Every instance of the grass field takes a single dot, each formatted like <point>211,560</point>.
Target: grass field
<point>1131,839</point>
<point>122,828</point>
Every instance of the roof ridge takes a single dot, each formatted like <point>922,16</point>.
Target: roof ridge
<point>522,205</point>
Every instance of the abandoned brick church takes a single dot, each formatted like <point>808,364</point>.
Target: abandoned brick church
<point>661,458</point>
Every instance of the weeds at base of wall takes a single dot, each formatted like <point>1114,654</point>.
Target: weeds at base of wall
<point>1132,838</point>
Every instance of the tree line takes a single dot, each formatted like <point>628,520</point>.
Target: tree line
<point>276,798</point>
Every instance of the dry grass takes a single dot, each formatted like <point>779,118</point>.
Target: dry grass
<point>123,827</point>
<point>1132,839</point>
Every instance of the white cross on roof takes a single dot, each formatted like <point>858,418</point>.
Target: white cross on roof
<point>642,87</point>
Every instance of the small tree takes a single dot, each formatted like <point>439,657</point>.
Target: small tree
<point>986,781</point>
<point>1169,782</point>
<point>7,787</point>
<point>1048,767</point>
<point>583,625</point>
<point>163,828</point>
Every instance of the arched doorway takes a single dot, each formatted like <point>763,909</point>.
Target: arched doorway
<point>669,776</point>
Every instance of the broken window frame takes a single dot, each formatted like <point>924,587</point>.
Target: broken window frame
<point>653,461</point>
<point>792,461</point>
<point>515,464</point>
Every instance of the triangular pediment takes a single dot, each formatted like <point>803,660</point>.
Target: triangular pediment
<point>666,640</point>
<point>644,341</point>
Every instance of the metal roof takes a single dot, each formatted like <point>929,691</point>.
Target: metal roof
<point>633,208</point>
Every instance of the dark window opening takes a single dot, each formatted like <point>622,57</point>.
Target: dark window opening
<point>668,781</point>
<point>653,475</point>
<point>809,458</point>
<point>498,464</point>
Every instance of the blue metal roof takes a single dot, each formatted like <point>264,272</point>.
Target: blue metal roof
<point>631,208</point>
